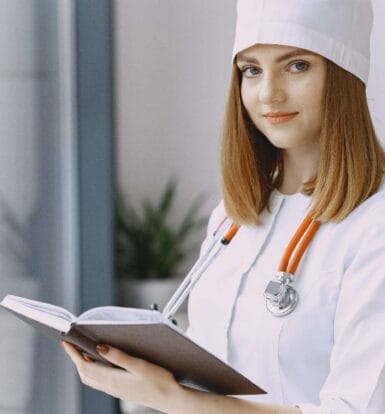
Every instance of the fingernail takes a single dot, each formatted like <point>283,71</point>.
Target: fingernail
<point>87,358</point>
<point>102,349</point>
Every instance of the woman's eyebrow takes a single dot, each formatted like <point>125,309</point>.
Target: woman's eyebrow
<point>293,53</point>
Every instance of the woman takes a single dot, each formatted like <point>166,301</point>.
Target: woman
<point>298,142</point>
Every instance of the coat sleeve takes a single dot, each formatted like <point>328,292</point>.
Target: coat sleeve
<point>356,380</point>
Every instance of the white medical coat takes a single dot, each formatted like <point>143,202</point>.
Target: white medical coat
<point>328,355</point>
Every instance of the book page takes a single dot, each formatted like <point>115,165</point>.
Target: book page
<point>47,314</point>
<point>53,310</point>
<point>121,314</point>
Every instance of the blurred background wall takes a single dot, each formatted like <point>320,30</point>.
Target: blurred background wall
<point>36,240</point>
<point>376,85</point>
<point>172,68</point>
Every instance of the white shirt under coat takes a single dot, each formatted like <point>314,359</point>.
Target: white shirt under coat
<point>328,355</point>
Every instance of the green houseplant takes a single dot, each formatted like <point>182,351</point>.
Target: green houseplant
<point>150,250</point>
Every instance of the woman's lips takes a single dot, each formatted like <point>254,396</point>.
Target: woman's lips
<point>280,118</point>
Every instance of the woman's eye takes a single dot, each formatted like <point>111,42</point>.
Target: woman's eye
<point>250,71</point>
<point>299,66</point>
<point>295,67</point>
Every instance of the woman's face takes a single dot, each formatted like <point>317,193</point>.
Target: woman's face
<point>279,80</point>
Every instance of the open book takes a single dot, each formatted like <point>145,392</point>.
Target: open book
<point>142,333</point>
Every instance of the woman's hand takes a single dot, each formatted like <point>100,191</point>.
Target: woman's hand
<point>139,381</point>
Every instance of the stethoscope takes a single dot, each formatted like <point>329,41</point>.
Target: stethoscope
<point>281,297</point>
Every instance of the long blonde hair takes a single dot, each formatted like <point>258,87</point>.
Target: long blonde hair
<point>352,160</point>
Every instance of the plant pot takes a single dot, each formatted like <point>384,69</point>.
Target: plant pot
<point>143,293</point>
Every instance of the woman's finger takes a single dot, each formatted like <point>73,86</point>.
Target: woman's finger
<point>74,353</point>
<point>122,359</point>
<point>93,375</point>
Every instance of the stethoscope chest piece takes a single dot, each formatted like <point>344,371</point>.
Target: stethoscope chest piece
<point>281,298</point>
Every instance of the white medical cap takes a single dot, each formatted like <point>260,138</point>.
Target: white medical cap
<point>336,29</point>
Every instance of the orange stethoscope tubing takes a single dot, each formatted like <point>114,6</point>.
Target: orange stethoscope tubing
<point>233,230</point>
<point>281,297</point>
<point>300,241</point>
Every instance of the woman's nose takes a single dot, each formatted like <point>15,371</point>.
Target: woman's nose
<point>271,90</point>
